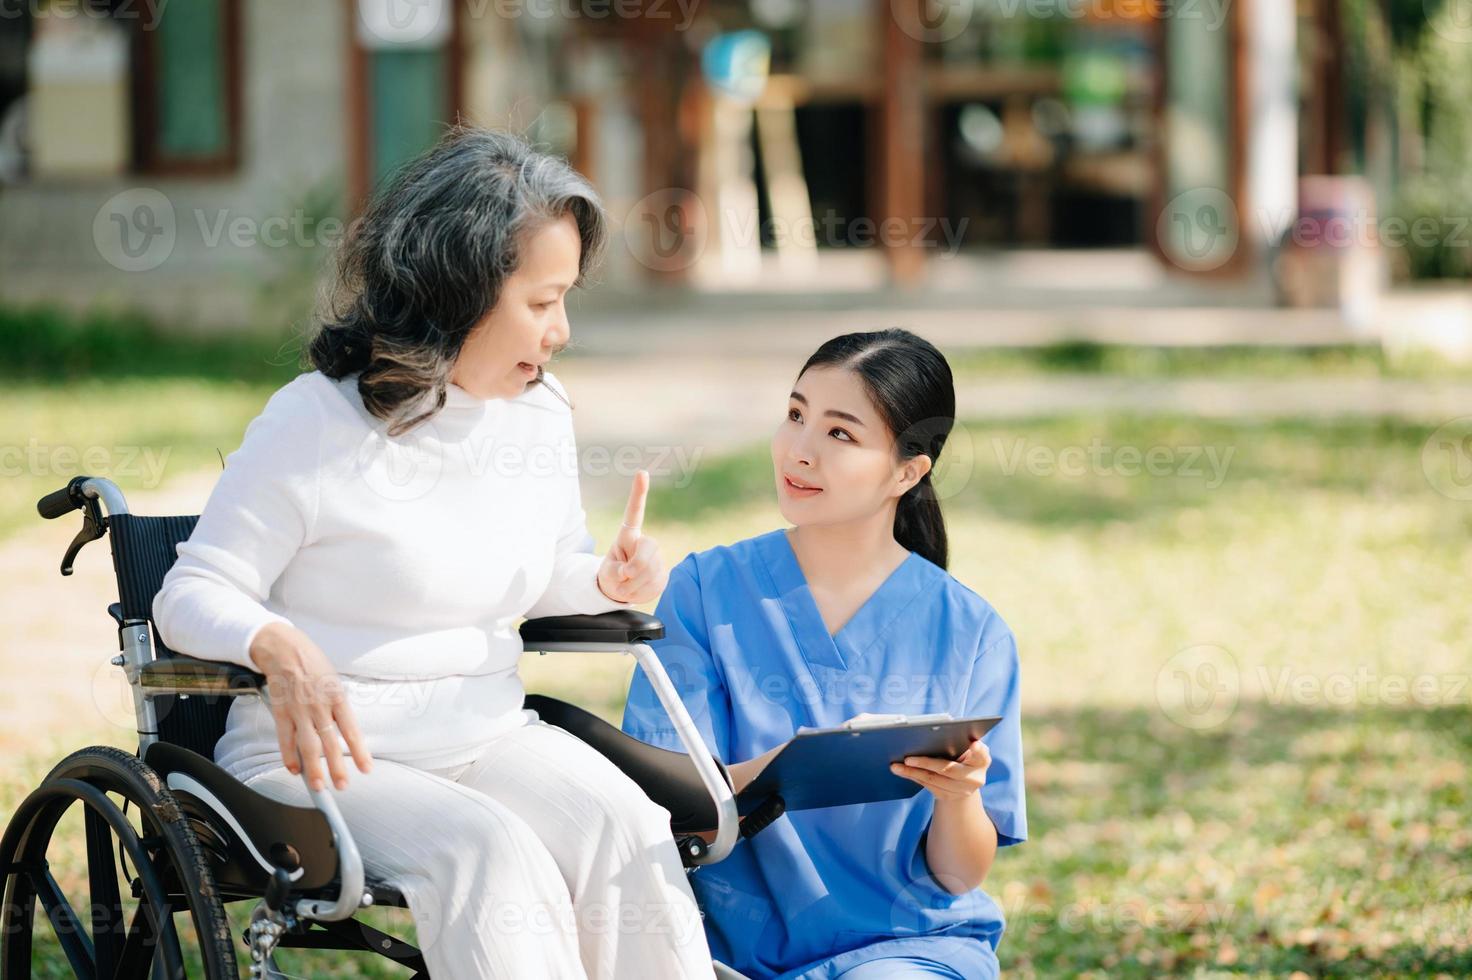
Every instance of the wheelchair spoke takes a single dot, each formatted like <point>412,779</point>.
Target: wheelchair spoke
<point>107,909</point>
<point>68,928</point>
<point>171,956</point>
<point>156,861</point>
<point>137,951</point>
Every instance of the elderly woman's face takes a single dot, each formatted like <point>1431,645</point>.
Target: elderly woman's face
<point>529,323</point>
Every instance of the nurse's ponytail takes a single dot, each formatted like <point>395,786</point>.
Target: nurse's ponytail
<point>910,384</point>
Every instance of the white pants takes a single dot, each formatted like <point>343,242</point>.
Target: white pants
<point>538,859</point>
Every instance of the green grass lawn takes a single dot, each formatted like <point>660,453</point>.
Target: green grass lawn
<point>138,432</point>
<point>1314,817</point>
<point>1317,822</point>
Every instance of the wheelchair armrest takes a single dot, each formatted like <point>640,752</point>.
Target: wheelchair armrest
<point>190,675</point>
<point>628,631</point>
<point>622,626</point>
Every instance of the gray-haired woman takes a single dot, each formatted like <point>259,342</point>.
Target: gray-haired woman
<point>370,547</point>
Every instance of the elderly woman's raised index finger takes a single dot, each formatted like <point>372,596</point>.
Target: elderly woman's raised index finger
<point>638,494</point>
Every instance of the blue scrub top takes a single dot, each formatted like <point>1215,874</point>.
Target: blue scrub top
<point>822,891</point>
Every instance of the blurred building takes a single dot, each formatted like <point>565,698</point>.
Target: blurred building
<point>199,157</point>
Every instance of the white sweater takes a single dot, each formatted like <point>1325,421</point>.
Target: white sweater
<point>408,560</point>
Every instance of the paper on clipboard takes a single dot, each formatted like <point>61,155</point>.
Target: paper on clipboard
<point>867,720</point>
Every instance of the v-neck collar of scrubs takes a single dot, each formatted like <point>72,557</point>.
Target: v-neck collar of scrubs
<point>841,650</point>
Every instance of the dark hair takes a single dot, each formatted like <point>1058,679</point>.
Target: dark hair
<point>910,384</point>
<point>428,260</point>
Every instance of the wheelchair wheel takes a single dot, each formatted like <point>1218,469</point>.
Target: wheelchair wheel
<point>143,864</point>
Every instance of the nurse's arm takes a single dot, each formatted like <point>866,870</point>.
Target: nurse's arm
<point>961,844</point>
<point>741,774</point>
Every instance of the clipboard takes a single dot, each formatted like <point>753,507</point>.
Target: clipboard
<point>850,764</point>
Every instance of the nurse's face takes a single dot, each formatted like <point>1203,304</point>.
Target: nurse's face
<point>834,456</point>
<point>507,348</point>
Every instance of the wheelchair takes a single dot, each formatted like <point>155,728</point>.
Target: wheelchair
<point>203,839</point>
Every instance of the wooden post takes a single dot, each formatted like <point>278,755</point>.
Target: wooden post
<point>901,148</point>
<point>358,116</point>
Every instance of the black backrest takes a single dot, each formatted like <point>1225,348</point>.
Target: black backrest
<point>142,552</point>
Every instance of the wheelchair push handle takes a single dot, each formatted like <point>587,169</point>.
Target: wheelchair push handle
<point>59,503</point>
<point>89,494</point>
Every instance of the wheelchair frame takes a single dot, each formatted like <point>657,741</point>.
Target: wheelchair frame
<point>182,782</point>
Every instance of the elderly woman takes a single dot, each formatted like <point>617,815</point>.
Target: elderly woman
<point>370,547</point>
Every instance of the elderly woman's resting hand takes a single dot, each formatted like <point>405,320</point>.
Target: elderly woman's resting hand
<point>306,699</point>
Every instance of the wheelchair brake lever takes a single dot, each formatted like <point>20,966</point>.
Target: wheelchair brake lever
<point>278,889</point>
<point>693,846</point>
<point>94,526</point>
<point>762,817</point>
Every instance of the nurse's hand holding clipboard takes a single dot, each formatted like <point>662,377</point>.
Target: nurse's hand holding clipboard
<point>632,571</point>
<point>947,780</point>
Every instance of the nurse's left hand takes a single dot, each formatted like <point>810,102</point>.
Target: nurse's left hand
<point>632,571</point>
<point>946,779</point>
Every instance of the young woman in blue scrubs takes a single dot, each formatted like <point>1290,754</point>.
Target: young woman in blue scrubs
<point>850,612</point>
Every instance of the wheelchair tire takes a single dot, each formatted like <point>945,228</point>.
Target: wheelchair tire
<point>166,870</point>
